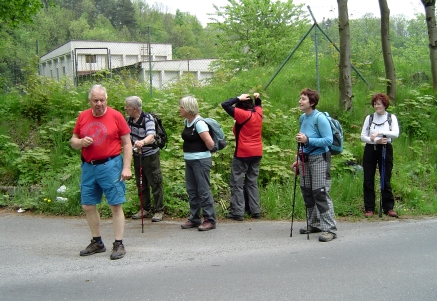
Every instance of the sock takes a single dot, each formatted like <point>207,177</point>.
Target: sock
<point>120,241</point>
<point>98,239</point>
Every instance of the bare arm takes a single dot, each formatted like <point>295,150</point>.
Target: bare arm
<point>78,143</point>
<point>206,137</point>
<point>140,143</point>
<point>127,157</point>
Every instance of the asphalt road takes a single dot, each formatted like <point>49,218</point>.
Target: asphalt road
<point>389,259</point>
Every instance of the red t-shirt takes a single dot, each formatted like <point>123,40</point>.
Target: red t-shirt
<point>249,142</point>
<point>105,130</point>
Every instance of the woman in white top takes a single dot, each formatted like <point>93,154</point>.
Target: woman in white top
<point>378,131</point>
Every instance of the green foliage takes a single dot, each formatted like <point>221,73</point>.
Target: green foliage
<point>416,116</point>
<point>248,31</point>
<point>8,152</point>
<point>38,115</point>
<point>31,164</point>
<point>13,12</point>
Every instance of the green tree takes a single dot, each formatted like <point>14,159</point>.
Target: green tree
<point>257,32</point>
<point>14,12</point>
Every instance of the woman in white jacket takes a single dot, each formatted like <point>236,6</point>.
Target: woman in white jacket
<point>378,132</point>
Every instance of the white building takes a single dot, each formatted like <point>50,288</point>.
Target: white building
<point>78,59</point>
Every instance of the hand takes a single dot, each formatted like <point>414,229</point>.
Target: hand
<point>244,97</point>
<point>139,144</point>
<point>301,138</point>
<point>255,95</point>
<point>126,174</point>
<point>86,141</point>
<point>295,168</point>
<point>381,141</point>
<point>373,136</point>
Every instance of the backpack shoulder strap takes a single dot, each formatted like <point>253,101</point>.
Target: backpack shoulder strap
<point>195,123</point>
<point>247,120</point>
<point>370,123</point>
<point>316,119</point>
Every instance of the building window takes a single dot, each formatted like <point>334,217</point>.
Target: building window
<point>63,70</point>
<point>90,58</point>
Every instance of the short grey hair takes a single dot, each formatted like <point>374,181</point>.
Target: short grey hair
<point>134,101</point>
<point>189,104</point>
<point>97,87</point>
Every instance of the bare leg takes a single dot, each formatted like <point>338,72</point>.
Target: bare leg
<point>93,219</point>
<point>118,221</point>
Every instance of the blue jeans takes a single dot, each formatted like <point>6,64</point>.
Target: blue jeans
<point>199,190</point>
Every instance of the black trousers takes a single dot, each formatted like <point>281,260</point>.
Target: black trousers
<point>372,158</point>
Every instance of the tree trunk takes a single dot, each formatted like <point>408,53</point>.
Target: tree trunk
<point>345,80</point>
<point>432,37</point>
<point>390,73</point>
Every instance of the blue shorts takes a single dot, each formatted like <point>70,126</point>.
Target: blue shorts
<point>103,178</point>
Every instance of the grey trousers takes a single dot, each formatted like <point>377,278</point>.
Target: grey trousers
<point>197,183</point>
<point>315,191</point>
<point>244,183</point>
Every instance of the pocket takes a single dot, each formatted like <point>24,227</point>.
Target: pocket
<point>157,177</point>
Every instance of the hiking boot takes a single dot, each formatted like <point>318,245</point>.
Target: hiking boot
<point>256,215</point>
<point>189,224</point>
<point>93,248</point>
<point>391,213</point>
<point>310,230</point>
<point>138,214</point>
<point>368,214</point>
<point>118,250</point>
<point>327,236</point>
<point>206,225</point>
<point>158,216</point>
<point>235,217</point>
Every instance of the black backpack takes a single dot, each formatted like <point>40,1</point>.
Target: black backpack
<point>161,138</point>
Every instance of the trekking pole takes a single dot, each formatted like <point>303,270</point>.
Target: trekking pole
<point>294,192</point>
<point>141,188</point>
<point>302,160</point>
<point>382,176</point>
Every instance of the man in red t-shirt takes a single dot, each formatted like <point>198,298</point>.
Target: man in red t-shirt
<point>100,133</point>
<point>247,156</point>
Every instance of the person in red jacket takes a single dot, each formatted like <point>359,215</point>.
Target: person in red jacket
<point>247,156</point>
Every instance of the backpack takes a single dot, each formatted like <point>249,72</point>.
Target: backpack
<point>371,122</point>
<point>337,132</point>
<point>161,138</point>
<point>216,132</point>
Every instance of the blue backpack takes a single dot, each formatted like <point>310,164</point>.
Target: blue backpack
<point>337,132</point>
<point>216,132</point>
